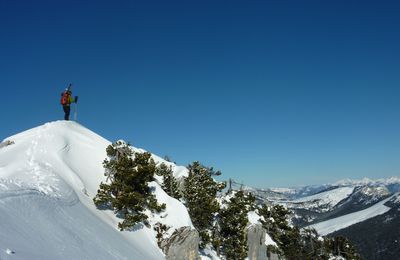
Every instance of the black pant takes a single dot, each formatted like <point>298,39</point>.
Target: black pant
<point>67,110</point>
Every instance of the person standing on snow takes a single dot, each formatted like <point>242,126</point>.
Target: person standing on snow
<point>66,100</point>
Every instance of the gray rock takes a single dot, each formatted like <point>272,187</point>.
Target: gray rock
<point>182,245</point>
<point>273,256</point>
<point>256,244</point>
<point>6,143</point>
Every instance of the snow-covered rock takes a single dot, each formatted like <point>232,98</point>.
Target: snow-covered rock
<point>6,143</point>
<point>368,195</point>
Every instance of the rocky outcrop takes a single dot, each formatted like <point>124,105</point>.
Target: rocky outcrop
<point>6,143</point>
<point>272,256</point>
<point>256,244</point>
<point>182,245</point>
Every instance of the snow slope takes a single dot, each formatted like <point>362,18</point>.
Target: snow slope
<point>323,201</point>
<point>48,179</point>
<point>331,197</point>
<point>332,225</point>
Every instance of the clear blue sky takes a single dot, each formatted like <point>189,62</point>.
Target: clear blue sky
<point>272,93</point>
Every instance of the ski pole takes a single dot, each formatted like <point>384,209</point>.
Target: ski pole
<point>76,112</point>
<point>76,109</point>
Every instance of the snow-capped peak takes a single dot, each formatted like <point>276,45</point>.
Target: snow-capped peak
<point>51,174</point>
<point>368,181</point>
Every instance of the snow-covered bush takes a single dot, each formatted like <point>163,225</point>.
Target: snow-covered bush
<point>233,221</point>
<point>200,192</point>
<point>127,191</point>
<point>169,185</point>
<point>295,243</point>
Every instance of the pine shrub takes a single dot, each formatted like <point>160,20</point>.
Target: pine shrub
<point>126,190</point>
<point>302,244</point>
<point>233,221</point>
<point>200,194</point>
<point>170,185</point>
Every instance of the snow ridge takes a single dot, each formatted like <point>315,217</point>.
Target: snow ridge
<point>48,178</point>
<point>367,181</point>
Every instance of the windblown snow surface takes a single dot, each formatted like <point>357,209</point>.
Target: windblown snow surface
<point>48,179</point>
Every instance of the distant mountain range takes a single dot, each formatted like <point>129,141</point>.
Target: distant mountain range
<point>365,211</point>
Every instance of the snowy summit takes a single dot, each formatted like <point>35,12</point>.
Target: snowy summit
<point>48,178</point>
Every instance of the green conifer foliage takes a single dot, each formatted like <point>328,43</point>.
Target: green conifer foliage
<point>274,220</point>
<point>312,247</point>
<point>302,244</point>
<point>233,221</point>
<point>127,190</point>
<point>341,246</point>
<point>200,197</point>
<point>161,229</point>
<point>170,185</point>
